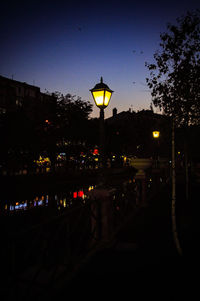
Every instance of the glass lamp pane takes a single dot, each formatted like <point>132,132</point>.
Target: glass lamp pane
<point>156,134</point>
<point>98,97</point>
<point>107,98</point>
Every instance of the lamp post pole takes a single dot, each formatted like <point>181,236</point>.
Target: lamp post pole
<point>101,94</point>
<point>156,135</point>
<point>102,138</point>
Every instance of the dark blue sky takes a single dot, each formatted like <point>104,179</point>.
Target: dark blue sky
<point>67,46</point>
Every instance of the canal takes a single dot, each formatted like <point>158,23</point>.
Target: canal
<point>52,223</point>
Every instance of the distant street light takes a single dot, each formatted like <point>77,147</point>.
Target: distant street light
<point>156,135</point>
<point>102,95</point>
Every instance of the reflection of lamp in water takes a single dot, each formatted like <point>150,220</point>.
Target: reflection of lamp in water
<point>102,95</point>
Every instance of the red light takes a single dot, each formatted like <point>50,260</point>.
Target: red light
<point>74,195</point>
<point>96,151</point>
<point>80,193</point>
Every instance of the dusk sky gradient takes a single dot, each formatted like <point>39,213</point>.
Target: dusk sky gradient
<point>67,46</point>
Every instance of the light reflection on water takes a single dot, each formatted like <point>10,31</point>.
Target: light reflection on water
<point>62,200</point>
<point>68,199</point>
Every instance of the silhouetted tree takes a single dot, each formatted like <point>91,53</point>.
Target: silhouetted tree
<point>24,139</point>
<point>174,81</point>
<point>72,124</point>
<point>175,75</point>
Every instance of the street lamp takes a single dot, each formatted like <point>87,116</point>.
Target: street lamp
<point>156,135</point>
<point>102,95</point>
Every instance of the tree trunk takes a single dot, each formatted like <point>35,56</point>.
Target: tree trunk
<point>186,165</point>
<point>173,209</point>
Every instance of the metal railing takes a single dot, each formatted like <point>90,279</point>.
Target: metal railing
<point>43,256</point>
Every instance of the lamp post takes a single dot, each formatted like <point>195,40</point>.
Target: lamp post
<point>102,95</point>
<point>156,135</point>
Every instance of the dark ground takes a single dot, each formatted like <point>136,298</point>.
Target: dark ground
<point>144,263</point>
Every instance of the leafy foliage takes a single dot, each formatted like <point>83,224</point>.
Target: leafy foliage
<point>26,138</point>
<point>175,75</point>
<point>72,116</point>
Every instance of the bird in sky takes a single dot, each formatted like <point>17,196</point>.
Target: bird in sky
<point>141,52</point>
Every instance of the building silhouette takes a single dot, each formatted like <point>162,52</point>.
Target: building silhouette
<point>20,96</point>
<point>130,133</point>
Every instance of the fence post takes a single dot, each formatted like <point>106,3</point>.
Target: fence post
<point>104,222</point>
<point>141,177</point>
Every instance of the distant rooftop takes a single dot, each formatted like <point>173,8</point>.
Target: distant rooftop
<point>16,82</point>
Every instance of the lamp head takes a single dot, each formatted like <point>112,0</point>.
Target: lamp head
<point>101,94</point>
<point>156,134</point>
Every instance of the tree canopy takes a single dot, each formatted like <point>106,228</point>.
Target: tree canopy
<point>25,138</point>
<point>72,116</point>
<point>175,75</point>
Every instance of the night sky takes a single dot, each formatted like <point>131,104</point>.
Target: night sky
<point>67,46</point>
